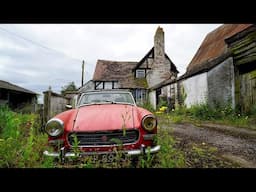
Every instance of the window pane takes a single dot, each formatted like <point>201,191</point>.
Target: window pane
<point>140,73</point>
<point>99,85</point>
<point>108,85</point>
<point>115,85</point>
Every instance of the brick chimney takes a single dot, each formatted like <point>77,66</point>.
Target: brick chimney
<point>159,44</point>
<point>160,70</point>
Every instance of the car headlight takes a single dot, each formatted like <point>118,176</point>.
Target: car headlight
<point>149,122</point>
<point>54,127</point>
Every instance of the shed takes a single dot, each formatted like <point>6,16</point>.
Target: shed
<point>15,96</point>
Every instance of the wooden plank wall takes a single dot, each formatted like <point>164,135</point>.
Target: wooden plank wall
<point>53,104</point>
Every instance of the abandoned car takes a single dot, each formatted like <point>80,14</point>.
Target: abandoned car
<point>101,122</point>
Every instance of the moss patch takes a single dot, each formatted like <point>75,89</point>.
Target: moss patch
<point>141,82</point>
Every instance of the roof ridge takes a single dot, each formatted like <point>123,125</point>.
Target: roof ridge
<point>104,60</point>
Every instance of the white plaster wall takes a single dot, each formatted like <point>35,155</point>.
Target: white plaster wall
<point>221,87</point>
<point>168,87</point>
<point>152,98</point>
<point>88,86</point>
<point>196,89</point>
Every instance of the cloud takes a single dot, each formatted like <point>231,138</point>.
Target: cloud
<point>36,56</point>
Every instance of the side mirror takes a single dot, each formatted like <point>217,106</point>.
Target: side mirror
<point>68,106</point>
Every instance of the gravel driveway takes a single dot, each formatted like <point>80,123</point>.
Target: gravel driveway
<point>235,144</point>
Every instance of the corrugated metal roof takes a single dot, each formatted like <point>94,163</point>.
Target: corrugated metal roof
<point>214,45</point>
<point>9,86</point>
<point>120,71</point>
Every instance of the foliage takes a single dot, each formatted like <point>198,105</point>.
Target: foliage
<point>20,146</point>
<point>169,156</point>
<point>147,105</point>
<point>223,114</point>
<point>162,102</point>
<point>69,87</point>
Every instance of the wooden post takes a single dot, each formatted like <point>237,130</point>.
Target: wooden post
<point>47,106</point>
<point>49,103</point>
<point>82,74</point>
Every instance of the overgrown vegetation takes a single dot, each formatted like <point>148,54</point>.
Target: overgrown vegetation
<point>220,114</point>
<point>147,105</point>
<point>20,144</point>
<point>169,156</point>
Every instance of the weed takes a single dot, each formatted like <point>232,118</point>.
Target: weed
<point>204,112</point>
<point>168,156</point>
<point>20,146</point>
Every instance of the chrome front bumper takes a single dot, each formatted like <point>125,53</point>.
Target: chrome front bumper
<point>140,151</point>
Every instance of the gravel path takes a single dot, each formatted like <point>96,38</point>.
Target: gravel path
<point>240,148</point>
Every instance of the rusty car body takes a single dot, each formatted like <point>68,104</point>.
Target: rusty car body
<point>100,122</point>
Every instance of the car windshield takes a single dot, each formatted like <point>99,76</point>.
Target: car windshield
<point>106,98</point>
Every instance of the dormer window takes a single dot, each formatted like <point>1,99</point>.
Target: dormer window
<point>140,73</point>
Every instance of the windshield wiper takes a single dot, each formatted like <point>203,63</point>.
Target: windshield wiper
<point>108,101</point>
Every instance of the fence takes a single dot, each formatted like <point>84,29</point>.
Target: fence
<point>54,103</point>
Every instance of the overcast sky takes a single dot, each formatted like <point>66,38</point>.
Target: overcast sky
<point>36,56</point>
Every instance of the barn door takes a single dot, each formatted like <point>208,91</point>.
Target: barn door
<point>248,90</point>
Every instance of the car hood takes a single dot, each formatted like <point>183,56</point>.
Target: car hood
<point>106,117</point>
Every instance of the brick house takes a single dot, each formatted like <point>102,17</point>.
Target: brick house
<point>138,77</point>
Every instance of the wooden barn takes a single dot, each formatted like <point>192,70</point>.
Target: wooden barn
<point>16,97</point>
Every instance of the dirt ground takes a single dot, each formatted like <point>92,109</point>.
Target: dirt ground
<point>235,147</point>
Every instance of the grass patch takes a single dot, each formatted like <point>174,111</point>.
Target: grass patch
<point>204,113</point>
<point>20,145</point>
<point>169,156</point>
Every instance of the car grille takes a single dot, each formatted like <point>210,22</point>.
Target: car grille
<point>104,138</point>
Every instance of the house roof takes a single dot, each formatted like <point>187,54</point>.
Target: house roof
<point>213,47</point>
<point>120,71</point>
<point>164,83</point>
<point>9,86</point>
<point>151,51</point>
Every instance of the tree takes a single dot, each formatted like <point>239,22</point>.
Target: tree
<point>69,87</point>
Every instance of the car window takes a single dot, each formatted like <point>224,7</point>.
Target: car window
<point>100,98</point>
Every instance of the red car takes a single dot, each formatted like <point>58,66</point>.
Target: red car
<point>100,119</point>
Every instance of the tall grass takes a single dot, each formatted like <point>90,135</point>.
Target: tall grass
<point>220,114</point>
<point>20,146</point>
<point>169,156</point>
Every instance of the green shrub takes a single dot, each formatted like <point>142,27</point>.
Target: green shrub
<point>147,105</point>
